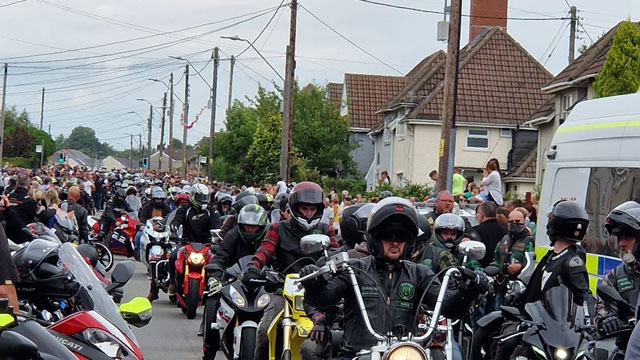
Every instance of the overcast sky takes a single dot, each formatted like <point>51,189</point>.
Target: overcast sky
<point>86,88</point>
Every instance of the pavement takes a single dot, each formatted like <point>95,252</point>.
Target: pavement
<point>169,335</point>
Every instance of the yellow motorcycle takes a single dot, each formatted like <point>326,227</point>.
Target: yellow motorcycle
<point>291,326</point>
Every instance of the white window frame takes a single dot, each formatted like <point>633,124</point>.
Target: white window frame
<point>400,179</point>
<point>477,136</point>
<point>567,103</point>
<point>505,133</point>
<point>386,135</point>
<point>401,129</point>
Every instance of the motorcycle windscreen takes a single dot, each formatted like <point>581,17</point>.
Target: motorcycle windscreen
<point>240,266</point>
<point>93,289</point>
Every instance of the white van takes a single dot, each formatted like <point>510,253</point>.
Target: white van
<point>594,159</point>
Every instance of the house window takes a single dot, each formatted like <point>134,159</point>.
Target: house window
<point>399,179</point>
<point>401,128</point>
<point>567,103</point>
<point>506,133</point>
<point>478,138</point>
<point>387,135</point>
<point>378,159</point>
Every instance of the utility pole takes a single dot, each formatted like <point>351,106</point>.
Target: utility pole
<point>212,101</point>
<point>448,129</point>
<point>140,146</point>
<point>185,117</point>
<point>41,125</point>
<point>233,63</point>
<point>4,99</point>
<point>49,131</point>
<point>131,153</point>
<point>164,110</point>
<point>572,33</point>
<point>287,111</point>
<point>170,122</point>
<point>149,139</point>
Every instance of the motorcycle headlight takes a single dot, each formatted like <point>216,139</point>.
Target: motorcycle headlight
<point>562,354</point>
<point>405,351</point>
<point>298,303</point>
<point>104,342</point>
<point>196,259</point>
<point>539,352</point>
<point>236,297</point>
<point>263,301</point>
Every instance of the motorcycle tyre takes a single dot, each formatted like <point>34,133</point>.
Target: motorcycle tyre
<point>105,255</point>
<point>192,298</point>
<point>210,335</point>
<point>286,355</point>
<point>248,343</point>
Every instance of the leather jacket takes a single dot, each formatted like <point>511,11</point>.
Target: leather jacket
<point>232,248</point>
<point>196,223</point>
<point>402,289</point>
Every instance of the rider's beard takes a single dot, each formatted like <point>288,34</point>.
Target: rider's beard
<point>627,256</point>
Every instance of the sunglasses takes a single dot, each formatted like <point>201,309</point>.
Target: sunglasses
<point>395,236</point>
<point>516,222</point>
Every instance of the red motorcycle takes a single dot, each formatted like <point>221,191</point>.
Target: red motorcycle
<point>122,235</point>
<point>190,268</point>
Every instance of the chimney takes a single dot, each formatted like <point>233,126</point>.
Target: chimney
<point>486,14</point>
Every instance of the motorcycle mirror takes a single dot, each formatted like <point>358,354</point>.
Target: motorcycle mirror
<point>213,267</point>
<point>314,243</point>
<point>491,270</point>
<point>121,275</point>
<point>473,249</point>
<point>17,346</point>
<point>6,320</point>
<point>137,312</point>
<point>510,313</point>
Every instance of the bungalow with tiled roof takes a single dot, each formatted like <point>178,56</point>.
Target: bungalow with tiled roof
<point>570,86</point>
<point>498,90</point>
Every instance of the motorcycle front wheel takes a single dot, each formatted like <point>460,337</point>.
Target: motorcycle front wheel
<point>105,257</point>
<point>192,298</point>
<point>211,336</point>
<point>248,343</point>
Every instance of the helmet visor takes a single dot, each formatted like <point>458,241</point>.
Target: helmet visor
<point>253,218</point>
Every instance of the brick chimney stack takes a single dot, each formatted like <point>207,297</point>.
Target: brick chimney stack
<point>486,14</point>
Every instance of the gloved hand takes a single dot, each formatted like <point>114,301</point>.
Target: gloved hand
<point>478,284</point>
<point>253,276</point>
<point>315,282</point>
<point>319,332</point>
<point>101,235</point>
<point>512,299</point>
<point>214,285</point>
<point>609,325</point>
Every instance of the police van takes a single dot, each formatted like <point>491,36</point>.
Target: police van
<point>594,160</point>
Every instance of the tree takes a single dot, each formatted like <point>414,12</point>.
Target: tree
<point>177,143</point>
<point>21,138</point>
<point>620,73</point>
<point>59,141</point>
<point>263,157</point>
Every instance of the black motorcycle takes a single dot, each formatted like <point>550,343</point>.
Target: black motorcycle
<point>240,310</point>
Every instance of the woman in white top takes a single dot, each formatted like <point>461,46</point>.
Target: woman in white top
<point>492,181</point>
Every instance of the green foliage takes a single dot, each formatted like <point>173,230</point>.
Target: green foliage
<point>84,139</point>
<point>512,196</point>
<point>177,143</point>
<point>263,157</point>
<point>620,73</point>
<point>419,191</point>
<point>19,162</point>
<point>21,138</point>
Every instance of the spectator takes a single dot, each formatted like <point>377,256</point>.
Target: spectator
<point>51,199</point>
<point>88,186</point>
<point>503,217</point>
<point>327,215</point>
<point>79,212</point>
<point>98,194</point>
<point>26,208</point>
<point>492,181</point>
<point>8,272</point>
<point>433,175</point>
<point>281,186</point>
<point>345,194</point>
<point>489,229</point>
<point>335,207</point>
<point>457,183</point>
<point>384,179</point>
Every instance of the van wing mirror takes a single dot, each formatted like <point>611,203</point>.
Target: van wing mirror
<point>311,244</point>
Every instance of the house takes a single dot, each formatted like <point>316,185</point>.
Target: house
<point>177,159</point>
<point>73,158</point>
<point>498,89</point>
<point>118,163</point>
<point>570,86</point>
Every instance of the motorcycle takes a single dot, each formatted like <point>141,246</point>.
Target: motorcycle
<point>105,257</point>
<point>605,347</point>
<point>191,277</point>
<point>397,343</point>
<point>154,242</point>
<point>553,328</point>
<point>122,238</point>
<point>240,311</point>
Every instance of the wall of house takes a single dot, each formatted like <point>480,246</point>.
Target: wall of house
<point>111,163</point>
<point>520,188</point>
<point>498,148</point>
<point>401,161</point>
<point>364,153</point>
<point>381,161</point>
<point>426,144</point>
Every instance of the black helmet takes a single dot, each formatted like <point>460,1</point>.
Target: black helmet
<point>89,253</point>
<point>424,235</point>
<point>119,196</point>
<point>158,196</point>
<point>393,215</point>
<point>281,202</point>
<point>263,201</point>
<point>131,190</point>
<point>568,220</point>
<point>625,220</point>
<point>222,200</point>
<point>385,194</point>
<point>450,222</point>
<point>199,196</point>
<point>308,193</point>
<point>353,224</point>
<point>243,199</point>
<point>252,214</point>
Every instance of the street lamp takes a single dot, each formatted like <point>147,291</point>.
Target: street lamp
<point>150,104</point>
<point>197,72</point>
<point>167,86</point>
<point>237,38</point>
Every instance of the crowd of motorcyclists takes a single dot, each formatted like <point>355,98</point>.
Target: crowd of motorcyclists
<point>398,256</point>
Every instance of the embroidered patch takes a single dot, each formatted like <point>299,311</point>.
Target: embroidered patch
<point>369,292</point>
<point>625,284</point>
<point>428,263</point>
<point>406,291</point>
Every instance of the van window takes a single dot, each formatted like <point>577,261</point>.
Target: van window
<point>608,188</point>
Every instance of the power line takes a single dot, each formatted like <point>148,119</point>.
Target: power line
<point>349,41</point>
<point>465,15</point>
<point>554,47</point>
<point>12,3</point>
<point>586,32</point>
<point>263,29</point>
<point>553,40</point>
